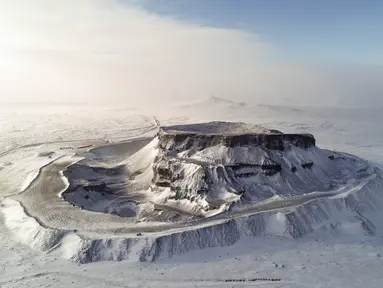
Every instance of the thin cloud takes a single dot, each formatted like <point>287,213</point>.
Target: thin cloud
<point>106,51</point>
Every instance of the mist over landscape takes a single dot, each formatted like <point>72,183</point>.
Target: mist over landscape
<point>191,143</point>
<point>107,51</point>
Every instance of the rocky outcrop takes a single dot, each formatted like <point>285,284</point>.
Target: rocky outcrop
<point>181,138</point>
<point>194,161</point>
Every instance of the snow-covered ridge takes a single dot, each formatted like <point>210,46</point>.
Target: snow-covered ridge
<point>203,135</point>
<point>217,128</point>
<point>209,172</point>
<point>326,215</point>
<point>180,191</point>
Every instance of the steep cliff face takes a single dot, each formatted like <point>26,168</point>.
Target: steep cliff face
<point>201,136</point>
<point>206,168</point>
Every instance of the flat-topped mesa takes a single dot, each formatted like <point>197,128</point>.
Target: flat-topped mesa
<point>211,164</point>
<point>200,136</point>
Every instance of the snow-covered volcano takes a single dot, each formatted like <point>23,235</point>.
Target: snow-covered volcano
<point>191,187</point>
<point>200,170</point>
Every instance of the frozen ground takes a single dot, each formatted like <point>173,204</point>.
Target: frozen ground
<point>346,257</point>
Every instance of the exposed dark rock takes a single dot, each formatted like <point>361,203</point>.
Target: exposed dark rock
<point>182,140</point>
<point>331,157</point>
<point>307,165</point>
<point>96,187</point>
<point>169,168</point>
<point>269,168</point>
<point>163,184</point>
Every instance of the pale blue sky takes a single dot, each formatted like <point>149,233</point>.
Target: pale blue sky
<point>311,52</point>
<point>348,31</point>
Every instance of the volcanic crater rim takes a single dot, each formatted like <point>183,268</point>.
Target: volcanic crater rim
<point>230,134</point>
<point>218,128</point>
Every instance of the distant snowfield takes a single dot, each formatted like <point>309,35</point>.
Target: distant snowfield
<point>339,257</point>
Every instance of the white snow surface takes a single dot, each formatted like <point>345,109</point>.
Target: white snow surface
<point>338,251</point>
<point>219,127</point>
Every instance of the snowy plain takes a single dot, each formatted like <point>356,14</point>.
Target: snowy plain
<point>344,259</point>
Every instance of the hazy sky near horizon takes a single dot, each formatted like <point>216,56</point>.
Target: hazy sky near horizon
<point>137,51</point>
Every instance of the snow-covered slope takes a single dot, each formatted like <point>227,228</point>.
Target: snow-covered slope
<point>318,231</point>
<point>189,188</point>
